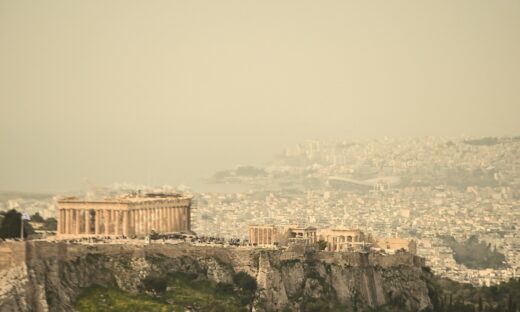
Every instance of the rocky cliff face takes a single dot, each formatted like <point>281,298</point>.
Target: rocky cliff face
<point>53,274</point>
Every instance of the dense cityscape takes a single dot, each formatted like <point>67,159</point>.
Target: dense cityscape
<point>437,192</point>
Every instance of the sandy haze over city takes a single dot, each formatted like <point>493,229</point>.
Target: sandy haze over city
<point>171,91</point>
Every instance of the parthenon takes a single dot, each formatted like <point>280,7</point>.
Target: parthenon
<point>127,215</point>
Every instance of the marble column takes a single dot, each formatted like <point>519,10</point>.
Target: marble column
<point>143,221</point>
<point>150,218</point>
<point>138,221</point>
<point>77,220</point>
<point>158,219</point>
<point>106,221</point>
<point>133,226</point>
<point>183,219</point>
<point>167,219</point>
<point>113,221</point>
<point>147,218</point>
<point>154,219</point>
<point>61,221</point>
<point>144,226</point>
<point>97,216</point>
<point>169,224</point>
<point>67,221</point>
<point>87,221</point>
<point>188,218</point>
<point>175,220</point>
<point>172,221</point>
<point>116,222</point>
<point>174,224</point>
<point>130,217</point>
<point>151,212</point>
<point>70,221</point>
<point>161,219</point>
<point>126,221</point>
<point>146,221</point>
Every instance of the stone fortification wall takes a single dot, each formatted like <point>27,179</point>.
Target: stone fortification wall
<point>61,251</point>
<point>13,277</point>
<point>11,254</point>
<point>397,259</point>
<point>18,253</point>
<point>354,259</point>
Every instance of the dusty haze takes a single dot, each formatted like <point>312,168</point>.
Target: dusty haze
<point>170,91</point>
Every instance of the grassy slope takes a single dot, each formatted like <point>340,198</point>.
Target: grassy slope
<point>183,290</point>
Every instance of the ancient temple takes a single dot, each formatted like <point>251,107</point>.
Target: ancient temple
<point>128,215</point>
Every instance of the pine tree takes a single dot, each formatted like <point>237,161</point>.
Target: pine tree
<point>37,218</point>
<point>10,227</point>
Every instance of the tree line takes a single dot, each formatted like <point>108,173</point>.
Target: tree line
<point>10,226</point>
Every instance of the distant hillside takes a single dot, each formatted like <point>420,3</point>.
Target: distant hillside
<point>474,254</point>
<point>7,195</point>
<point>488,141</point>
<point>451,296</point>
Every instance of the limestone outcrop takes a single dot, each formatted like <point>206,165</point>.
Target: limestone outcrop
<point>50,276</point>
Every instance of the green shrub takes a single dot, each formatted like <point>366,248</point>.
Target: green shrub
<point>245,282</point>
<point>224,288</point>
<point>154,284</point>
<point>322,245</point>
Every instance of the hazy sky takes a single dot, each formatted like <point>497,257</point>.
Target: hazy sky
<point>169,91</point>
